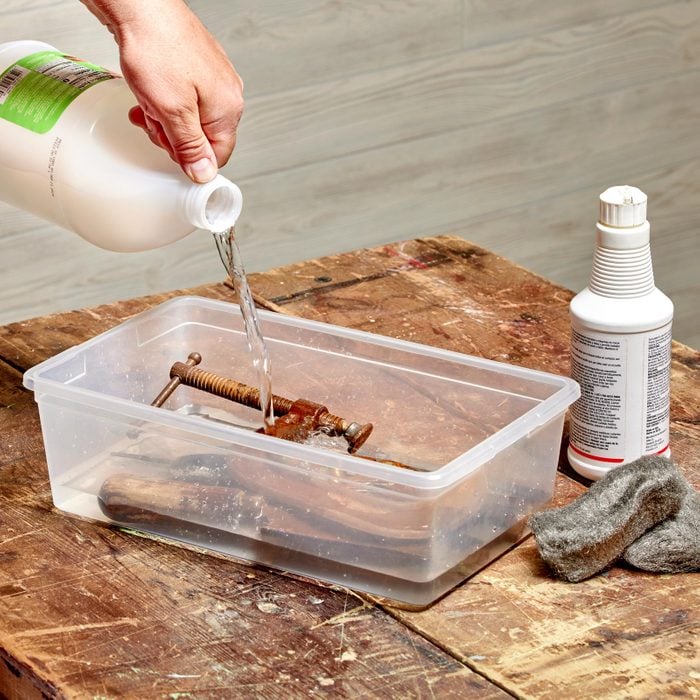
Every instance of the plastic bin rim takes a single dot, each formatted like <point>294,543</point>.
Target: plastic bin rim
<point>443,477</point>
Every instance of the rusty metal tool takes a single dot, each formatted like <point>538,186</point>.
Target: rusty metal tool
<point>194,358</point>
<point>296,419</point>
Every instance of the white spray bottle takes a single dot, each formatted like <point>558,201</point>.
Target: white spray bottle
<point>620,345</point>
<point>69,154</point>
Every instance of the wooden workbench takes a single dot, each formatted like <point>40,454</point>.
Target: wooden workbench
<point>89,611</point>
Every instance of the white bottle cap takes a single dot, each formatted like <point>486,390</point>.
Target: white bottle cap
<point>213,206</point>
<point>623,206</point>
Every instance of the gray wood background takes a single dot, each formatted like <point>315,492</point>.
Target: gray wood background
<point>371,121</point>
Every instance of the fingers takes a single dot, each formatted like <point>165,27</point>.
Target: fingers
<point>220,116</point>
<point>188,143</point>
<point>223,150</point>
<point>137,117</point>
<point>182,136</point>
<point>152,128</point>
<point>199,149</point>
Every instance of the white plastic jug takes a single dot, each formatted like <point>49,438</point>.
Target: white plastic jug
<point>69,154</point>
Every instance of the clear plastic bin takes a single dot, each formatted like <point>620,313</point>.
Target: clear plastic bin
<point>482,439</point>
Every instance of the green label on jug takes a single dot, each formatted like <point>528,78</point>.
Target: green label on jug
<point>37,89</point>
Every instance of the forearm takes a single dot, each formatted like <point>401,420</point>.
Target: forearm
<point>142,25</point>
<point>119,15</point>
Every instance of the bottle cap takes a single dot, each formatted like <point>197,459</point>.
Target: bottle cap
<point>623,206</point>
<point>213,206</point>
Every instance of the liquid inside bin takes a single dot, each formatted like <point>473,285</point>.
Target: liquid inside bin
<point>482,439</point>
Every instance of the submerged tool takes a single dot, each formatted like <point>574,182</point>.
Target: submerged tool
<point>297,419</point>
<point>219,492</point>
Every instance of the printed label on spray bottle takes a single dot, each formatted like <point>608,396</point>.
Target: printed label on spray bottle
<point>658,391</point>
<point>613,418</point>
<point>37,89</point>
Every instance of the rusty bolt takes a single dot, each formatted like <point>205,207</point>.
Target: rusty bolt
<point>187,373</point>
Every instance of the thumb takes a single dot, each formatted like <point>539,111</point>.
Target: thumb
<point>190,147</point>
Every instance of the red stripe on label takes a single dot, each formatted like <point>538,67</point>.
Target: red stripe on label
<point>597,459</point>
<point>663,449</point>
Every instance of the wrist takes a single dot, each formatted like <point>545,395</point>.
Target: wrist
<point>121,17</point>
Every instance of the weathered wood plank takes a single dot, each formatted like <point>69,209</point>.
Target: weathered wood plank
<point>89,611</point>
<point>443,291</point>
<point>622,634</point>
<point>19,419</point>
<point>101,612</point>
<point>623,625</point>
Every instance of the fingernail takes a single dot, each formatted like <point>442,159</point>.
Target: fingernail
<point>202,171</point>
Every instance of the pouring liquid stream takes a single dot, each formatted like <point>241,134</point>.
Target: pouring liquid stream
<point>231,258</point>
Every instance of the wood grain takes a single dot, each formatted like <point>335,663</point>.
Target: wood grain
<point>623,634</point>
<point>277,45</point>
<point>619,635</point>
<point>89,611</point>
<point>137,617</point>
<point>457,90</point>
<point>492,22</point>
<point>65,24</point>
<point>611,636</point>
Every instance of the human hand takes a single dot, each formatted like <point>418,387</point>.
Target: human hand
<point>189,95</point>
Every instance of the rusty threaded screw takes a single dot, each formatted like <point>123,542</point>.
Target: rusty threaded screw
<point>194,358</point>
<point>225,388</point>
<point>188,374</point>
